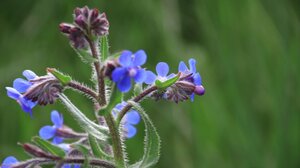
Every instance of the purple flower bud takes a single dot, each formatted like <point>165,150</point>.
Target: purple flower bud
<point>199,90</point>
<point>45,90</point>
<point>36,151</point>
<point>80,21</point>
<point>65,28</point>
<point>77,38</point>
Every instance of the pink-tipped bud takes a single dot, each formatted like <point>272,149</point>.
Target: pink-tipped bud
<point>199,90</point>
<point>65,27</point>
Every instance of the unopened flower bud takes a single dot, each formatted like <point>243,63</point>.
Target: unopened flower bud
<point>65,132</point>
<point>45,90</point>
<point>110,66</point>
<point>199,90</point>
<point>36,151</point>
<point>65,28</point>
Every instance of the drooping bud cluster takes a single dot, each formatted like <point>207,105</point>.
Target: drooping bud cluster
<point>44,90</point>
<point>87,23</point>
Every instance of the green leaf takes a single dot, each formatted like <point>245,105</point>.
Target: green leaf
<point>163,85</point>
<point>47,146</point>
<point>85,152</point>
<point>115,98</point>
<point>116,55</point>
<point>99,132</point>
<point>85,55</point>
<point>152,140</point>
<point>64,79</point>
<point>96,148</point>
<point>104,48</point>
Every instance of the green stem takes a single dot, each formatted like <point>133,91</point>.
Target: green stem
<point>116,141</point>
<point>113,128</point>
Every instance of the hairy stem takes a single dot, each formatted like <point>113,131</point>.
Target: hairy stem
<point>83,89</point>
<point>135,99</point>
<point>68,160</point>
<point>113,129</point>
<point>100,77</point>
<point>116,141</point>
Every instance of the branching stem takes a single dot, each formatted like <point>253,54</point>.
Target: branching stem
<point>135,99</point>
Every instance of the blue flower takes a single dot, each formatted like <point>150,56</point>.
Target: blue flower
<point>195,77</point>
<point>48,132</point>
<point>8,162</point>
<point>20,86</point>
<point>162,70</point>
<point>130,68</point>
<point>129,121</point>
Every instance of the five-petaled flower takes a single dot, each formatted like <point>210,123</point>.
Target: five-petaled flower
<point>19,87</point>
<point>130,68</point>
<point>48,132</point>
<point>129,121</point>
<point>8,162</point>
<point>162,70</point>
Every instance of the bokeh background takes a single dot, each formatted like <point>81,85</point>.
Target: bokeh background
<point>248,54</point>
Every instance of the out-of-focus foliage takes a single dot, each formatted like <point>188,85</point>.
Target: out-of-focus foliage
<point>248,54</point>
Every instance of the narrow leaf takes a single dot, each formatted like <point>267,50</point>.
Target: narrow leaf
<point>47,146</point>
<point>85,55</point>
<point>167,83</point>
<point>152,140</point>
<point>104,47</point>
<point>64,79</point>
<point>96,148</point>
<point>89,126</point>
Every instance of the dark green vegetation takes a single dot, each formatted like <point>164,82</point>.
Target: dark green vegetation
<point>248,54</point>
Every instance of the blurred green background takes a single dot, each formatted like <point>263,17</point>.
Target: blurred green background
<point>248,54</point>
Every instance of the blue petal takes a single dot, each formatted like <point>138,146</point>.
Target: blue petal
<point>26,105</point>
<point>67,166</point>
<point>133,117</point>
<point>47,132</point>
<point>29,74</point>
<point>150,77</point>
<point>125,59</point>
<point>140,76</point>
<point>57,140</point>
<point>182,67</point>
<point>7,162</point>
<point>125,84</point>
<point>192,97</point>
<point>197,79</point>
<point>21,85</point>
<point>162,69</point>
<point>13,93</point>
<point>130,130</point>
<point>192,63</point>
<point>57,119</point>
<point>140,58</point>
<point>76,166</point>
<point>118,74</point>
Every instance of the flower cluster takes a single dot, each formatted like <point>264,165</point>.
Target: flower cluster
<point>100,145</point>
<point>129,67</point>
<point>87,22</point>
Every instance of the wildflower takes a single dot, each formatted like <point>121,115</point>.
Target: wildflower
<point>129,121</point>
<point>20,86</point>
<point>130,68</point>
<point>8,162</point>
<point>162,70</point>
<point>192,76</point>
<point>48,132</point>
<point>75,35</point>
